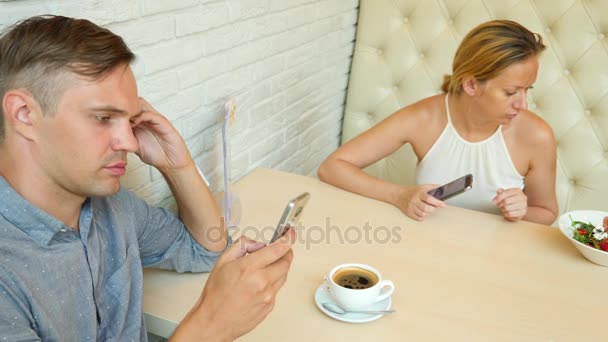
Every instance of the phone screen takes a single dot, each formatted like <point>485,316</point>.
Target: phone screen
<point>291,214</point>
<point>453,188</point>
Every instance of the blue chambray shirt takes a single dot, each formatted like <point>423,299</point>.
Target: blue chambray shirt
<point>58,284</point>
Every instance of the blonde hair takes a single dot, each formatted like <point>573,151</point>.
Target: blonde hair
<point>490,48</point>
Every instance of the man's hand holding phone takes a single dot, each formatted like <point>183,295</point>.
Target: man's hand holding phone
<point>243,285</point>
<point>240,291</point>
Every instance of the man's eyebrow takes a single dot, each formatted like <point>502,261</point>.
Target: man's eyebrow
<point>108,109</point>
<point>112,109</point>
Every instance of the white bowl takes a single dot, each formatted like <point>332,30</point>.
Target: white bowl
<point>596,218</point>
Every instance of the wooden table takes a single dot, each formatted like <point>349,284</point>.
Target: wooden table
<point>459,275</point>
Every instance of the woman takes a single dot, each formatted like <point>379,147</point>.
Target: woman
<point>480,125</point>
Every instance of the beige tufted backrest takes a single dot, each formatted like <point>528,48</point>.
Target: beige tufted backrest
<point>404,47</point>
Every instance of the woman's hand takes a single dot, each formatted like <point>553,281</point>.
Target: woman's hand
<point>416,203</point>
<point>512,202</point>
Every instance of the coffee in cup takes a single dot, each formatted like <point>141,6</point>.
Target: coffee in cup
<point>357,286</point>
<point>353,277</point>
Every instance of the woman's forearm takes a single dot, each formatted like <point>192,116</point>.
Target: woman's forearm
<point>349,177</point>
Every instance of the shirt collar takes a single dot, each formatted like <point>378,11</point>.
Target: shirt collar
<point>34,222</point>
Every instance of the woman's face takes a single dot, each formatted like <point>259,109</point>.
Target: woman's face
<point>502,98</point>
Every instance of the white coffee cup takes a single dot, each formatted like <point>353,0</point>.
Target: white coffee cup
<point>358,296</point>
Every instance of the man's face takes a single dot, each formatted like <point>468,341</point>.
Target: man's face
<point>82,147</point>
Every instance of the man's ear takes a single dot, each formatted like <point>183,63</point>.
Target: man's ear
<point>471,86</point>
<point>20,111</point>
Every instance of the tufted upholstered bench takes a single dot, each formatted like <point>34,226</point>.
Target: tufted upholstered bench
<point>404,47</point>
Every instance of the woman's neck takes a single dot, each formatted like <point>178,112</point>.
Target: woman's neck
<point>468,120</point>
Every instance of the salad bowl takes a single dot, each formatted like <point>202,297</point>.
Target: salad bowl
<point>596,218</point>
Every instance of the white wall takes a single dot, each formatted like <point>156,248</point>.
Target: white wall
<point>285,61</point>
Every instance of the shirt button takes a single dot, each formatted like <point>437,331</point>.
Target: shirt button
<point>63,230</point>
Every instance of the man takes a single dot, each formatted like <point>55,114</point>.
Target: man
<point>72,241</point>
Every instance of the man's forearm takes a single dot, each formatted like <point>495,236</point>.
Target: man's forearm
<point>196,207</point>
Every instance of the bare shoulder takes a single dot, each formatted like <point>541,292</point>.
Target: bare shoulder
<point>532,130</point>
<point>426,111</point>
<point>421,122</point>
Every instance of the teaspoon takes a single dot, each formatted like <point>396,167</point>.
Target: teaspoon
<point>337,309</point>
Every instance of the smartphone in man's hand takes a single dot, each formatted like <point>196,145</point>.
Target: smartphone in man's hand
<point>291,214</point>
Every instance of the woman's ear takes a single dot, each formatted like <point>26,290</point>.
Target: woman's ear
<point>20,111</point>
<point>470,85</point>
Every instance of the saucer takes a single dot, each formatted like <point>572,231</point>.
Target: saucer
<point>322,295</point>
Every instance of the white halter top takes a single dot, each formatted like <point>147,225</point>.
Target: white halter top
<point>489,161</point>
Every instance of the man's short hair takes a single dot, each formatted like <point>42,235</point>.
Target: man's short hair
<point>35,53</point>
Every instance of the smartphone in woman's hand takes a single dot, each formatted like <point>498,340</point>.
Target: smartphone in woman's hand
<point>453,188</point>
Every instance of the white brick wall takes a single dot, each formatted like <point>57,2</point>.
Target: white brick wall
<point>285,61</point>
